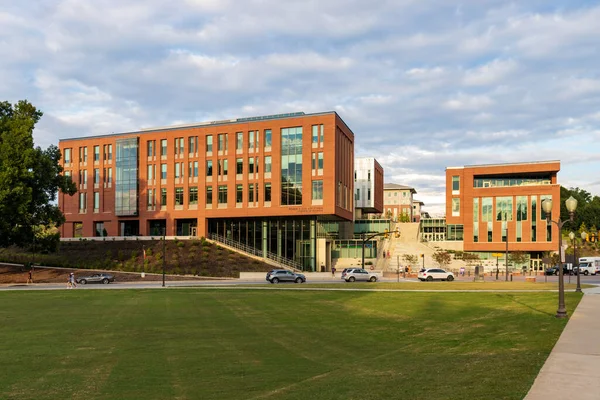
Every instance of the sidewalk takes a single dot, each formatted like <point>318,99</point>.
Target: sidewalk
<point>572,371</point>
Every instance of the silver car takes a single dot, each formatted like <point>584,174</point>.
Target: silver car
<point>95,278</point>
<point>283,275</point>
<point>358,274</point>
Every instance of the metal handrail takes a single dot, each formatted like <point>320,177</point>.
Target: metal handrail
<point>255,252</point>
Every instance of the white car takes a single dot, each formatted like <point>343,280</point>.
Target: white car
<point>435,273</point>
<point>358,274</point>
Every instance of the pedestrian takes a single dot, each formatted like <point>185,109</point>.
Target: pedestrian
<point>333,272</point>
<point>72,280</point>
<point>30,278</point>
<point>69,286</point>
<point>462,271</point>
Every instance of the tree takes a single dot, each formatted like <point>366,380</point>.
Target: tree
<point>410,259</point>
<point>518,258</point>
<point>29,177</point>
<point>470,258</point>
<point>442,257</point>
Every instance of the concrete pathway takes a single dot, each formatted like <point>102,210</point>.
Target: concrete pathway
<point>572,371</point>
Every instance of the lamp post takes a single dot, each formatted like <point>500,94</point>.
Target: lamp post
<point>571,204</point>
<point>506,254</point>
<point>583,238</point>
<point>164,253</point>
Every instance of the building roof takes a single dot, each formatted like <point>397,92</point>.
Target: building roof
<point>419,201</point>
<point>506,164</point>
<point>395,186</point>
<point>212,123</point>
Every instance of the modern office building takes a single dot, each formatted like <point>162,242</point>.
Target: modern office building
<point>264,183</point>
<point>488,205</point>
<point>368,187</point>
<point>398,201</point>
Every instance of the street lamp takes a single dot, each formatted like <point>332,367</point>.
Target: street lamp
<point>571,204</point>
<point>164,253</point>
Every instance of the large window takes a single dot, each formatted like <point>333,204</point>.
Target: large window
<point>504,207</point>
<point>151,149</point>
<point>193,195</point>
<point>239,166</point>
<point>455,206</point>
<point>67,156</point>
<point>209,168</point>
<point>267,192</point>
<point>96,153</point>
<point>96,176</point>
<point>239,193</point>
<point>455,183</point>
<point>268,138</point>
<point>193,144</point>
<point>126,191</point>
<point>96,201</point>
<point>291,166</point>
<point>521,208</point>
<point>487,209</point>
<point>317,190</point>
<point>222,142</point>
<point>222,196</point>
<point>179,196</point>
<point>82,202</point>
<point>163,147</point>
<point>476,220</point>
<point>163,171</point>
<point>251,193</point>
<point>163,197</point>
<point>239,141</point>
<point>209,195</point>
<point>209,144</point>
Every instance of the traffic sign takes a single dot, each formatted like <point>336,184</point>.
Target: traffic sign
<point>497,254</point>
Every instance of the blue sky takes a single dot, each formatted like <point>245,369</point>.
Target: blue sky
<point>423,84</point>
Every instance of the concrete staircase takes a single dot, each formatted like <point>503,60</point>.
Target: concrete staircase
<point>409,243</point>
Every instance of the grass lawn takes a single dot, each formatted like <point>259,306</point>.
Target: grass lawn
<point>243,344</point>
<point>499,286</point>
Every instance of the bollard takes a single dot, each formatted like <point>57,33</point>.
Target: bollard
<point>511,277</point>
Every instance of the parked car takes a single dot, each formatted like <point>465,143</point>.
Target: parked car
<point>586,268</point>
<point>435,273</point>
<point>358,274</point>
<point>551,271</point>
<point>283,275</point>
<point>95,278</point>
<point>566,271</point>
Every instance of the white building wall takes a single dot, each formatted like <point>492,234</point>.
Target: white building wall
<point>364,170</point>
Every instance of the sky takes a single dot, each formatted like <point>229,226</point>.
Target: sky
<point>423,84</point>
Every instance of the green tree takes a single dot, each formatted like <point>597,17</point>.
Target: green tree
<point>410,259</point>
<point>442,257</point>
<point>517,258</point>
<point>29,177</point>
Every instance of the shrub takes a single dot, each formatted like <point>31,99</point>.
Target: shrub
<point>180,244</point>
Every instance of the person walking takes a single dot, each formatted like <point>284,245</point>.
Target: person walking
<point>30,278</point>
<point>333,272</point>
<point>72,282</point>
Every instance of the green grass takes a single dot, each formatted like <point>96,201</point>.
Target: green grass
<point>243,344</point>
<point>496,286</point>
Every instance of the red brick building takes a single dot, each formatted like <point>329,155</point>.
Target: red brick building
<point>486,205</point>
<point>263,182</point>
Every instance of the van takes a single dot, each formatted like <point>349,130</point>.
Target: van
<point>589,265</point>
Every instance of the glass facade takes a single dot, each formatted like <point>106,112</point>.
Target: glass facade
<point>476,220</point>
<point>454,232</point>
<point>482,182</point>
<point>291,166</point>
<point>126,188</point>
<point>291,238</point>
<point>504,208</point>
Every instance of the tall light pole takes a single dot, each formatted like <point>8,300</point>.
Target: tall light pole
<point>506,254</point>
<point>164,252</point>
<point>583,238</point>
<point>571,204</point>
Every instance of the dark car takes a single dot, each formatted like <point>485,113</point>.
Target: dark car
<point>95,278</point>
<point>555,269</point>
<point>283,275</point>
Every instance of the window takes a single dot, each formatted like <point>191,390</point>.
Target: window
<point>67,156</point>
<point>543,214</point>
<point>77,229</point>
<point>239,166</point>
<point>239,193</point>
<point>268,164</point>
<point>209,167</point>
<point>222,167</point>
<point>291,166</point>
<point>96,153</point>
<point>504,208</point>
<point>83,154</point>
<point>110,151</point>
<point>315,133</point>
<point>455,207</point>
<point>320,158</point>
<point>317,190</point>
<point>256,164</point>
<point>126,188</point>
<point>368,193</point>
<point>97,198</point>
<point>179,146</point>
<point>314,161</point>
<point>179,196</point>
<point>222,196</point>
<point>99,229</point>
<point>151,198</point>
<point>369,176</point>
<point>82,177</point>
<point>209,144</point>
<point>209,195</point>
<point>251,193</point>
<point>322,133</point>
<point>222,142</point>
<point>151,148</point>
<point>455,184</point>
<point>239,141</point>
<point>108,175</point>
<point>163,171</point>
<point>251,165</point>
<point>67,173</point>
<point>486,209</point>
<point>163,197</point>
<point>251,140</point>
<point>97,175</point>
<point>193,195</point>
<point>357,197</point>
<point>267,138</point>
<point>193,169</point>
<point>533,218</point>
<point>267,192</point>
<point>521,208</point>
<point>82,202</point>
<point>475,220</point>
<point>193,144</point>
<point>178,170</point>
<point>163,147</point>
